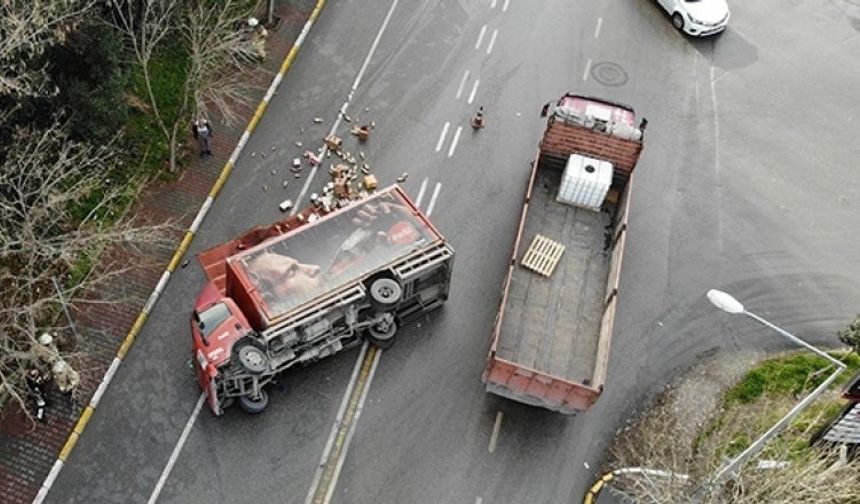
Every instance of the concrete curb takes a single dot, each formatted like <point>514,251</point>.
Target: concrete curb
<point>127,343</point>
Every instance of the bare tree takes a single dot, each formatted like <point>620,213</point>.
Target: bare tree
<point>691,452</point>
<point>222,53</point>
<point>851,335</point>
<point>27,28</point>
<point>56,214</point>
<point>217,48</point>
<point>146,24</point>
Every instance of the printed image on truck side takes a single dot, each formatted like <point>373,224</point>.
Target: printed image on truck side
<point>311,286</point>
<point>551,339</point>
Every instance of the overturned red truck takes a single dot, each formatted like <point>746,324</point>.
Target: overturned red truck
<point>551,338</point>
<point>310,286</point>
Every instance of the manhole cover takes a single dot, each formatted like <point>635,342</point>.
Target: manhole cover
<point>609,74</point>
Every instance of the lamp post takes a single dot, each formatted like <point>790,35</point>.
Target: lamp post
<point>729,304</point>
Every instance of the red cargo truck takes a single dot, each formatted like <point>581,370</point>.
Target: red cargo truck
<point>551,338</point>
<point>311,286</point>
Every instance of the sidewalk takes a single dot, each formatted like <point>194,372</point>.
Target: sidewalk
<point>27,451</point>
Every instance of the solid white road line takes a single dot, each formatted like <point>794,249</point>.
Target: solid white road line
<point>587,70</point>
<point>432,204</point>
<point>442,136</point>
<point>462,84</point>
<point>505,7</point>
<point>454,142</point>
<point>336,425</point>
<point>495,436</point>
<point>474,90</point>
<point>597,28</point>
<point>480,37</point>
<point>716,121</point>
<point>176,450</point>
<point>345,105</point>
<point>421,193</point>
<point>351,429</point>
<point>492,41</point>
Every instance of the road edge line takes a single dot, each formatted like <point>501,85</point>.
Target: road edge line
<point>89,410</point>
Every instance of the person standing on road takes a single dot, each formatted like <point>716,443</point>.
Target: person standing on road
<point>202,131</point>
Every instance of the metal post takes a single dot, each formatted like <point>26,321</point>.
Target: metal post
<point>63,304</point>
<point>270,13</point>
<point>759,443</point>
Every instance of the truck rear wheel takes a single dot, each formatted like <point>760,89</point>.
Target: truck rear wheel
<point>385,292</point>
<point>382,334</point>
<point>254,406</point>
<point>250,357</point>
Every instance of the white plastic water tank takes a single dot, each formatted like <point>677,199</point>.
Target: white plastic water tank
<point>585,182</point>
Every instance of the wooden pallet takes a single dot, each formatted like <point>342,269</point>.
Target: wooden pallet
<point>543,255</point>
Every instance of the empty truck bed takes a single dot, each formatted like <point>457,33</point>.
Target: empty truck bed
<point>553,324</point>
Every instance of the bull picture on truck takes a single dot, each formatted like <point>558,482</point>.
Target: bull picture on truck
<point>311,286</point>
<point>551,338</point>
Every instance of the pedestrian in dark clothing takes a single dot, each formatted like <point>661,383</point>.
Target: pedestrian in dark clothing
<point>202,131</point>
<point>37,383</point>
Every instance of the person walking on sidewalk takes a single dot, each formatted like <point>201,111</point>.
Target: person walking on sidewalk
<point>202,131</point>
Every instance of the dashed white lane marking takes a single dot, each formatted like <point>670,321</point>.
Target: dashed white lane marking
<point>494,438</point>
<point>480,37</point>
<point>421,193</point>
<point>587,69</point>
<point>505,6</point>
<point>462,84</point>
<point>493,4</point>
<point>442,136</point>
<point>479,500</point>
<point>474,90</point>
<point>597,28</point>
<point>176,450</point>
<point>432,204</point>
<point>454,142</point>
<point>492,41</point>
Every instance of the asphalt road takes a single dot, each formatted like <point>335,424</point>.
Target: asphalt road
<point>748,183</point>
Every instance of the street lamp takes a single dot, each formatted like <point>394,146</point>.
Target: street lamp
<point>729,304</point>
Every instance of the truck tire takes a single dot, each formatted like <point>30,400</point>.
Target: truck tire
<point>250,357</point>
<point>385,293</point>
<point>382,337</point>
<point>254,406</point>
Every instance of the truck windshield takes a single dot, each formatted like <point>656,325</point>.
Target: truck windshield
<point>210,318</point>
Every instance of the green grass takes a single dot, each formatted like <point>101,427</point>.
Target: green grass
<point>144,150</point>
<point>148,147</point>
<point>766,392</point>
<point>787,375</point>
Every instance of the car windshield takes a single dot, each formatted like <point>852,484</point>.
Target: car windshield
<point>210,318</point>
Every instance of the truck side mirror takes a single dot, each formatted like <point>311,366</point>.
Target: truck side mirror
<point>544,110</point>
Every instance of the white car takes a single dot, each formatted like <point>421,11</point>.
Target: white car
<point>697,17</point>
